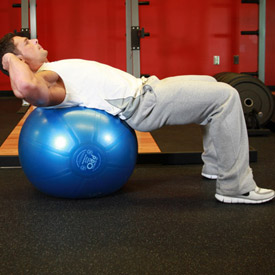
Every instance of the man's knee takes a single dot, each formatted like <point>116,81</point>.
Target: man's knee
<point>230,93</point>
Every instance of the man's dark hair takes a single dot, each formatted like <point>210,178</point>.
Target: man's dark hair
<point>7,46</point>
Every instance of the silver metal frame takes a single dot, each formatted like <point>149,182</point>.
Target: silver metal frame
<point>24,14</point>
<point>132,55</point>
<point>25,11</point>
<point>33,19</point>
<point>262,34</point>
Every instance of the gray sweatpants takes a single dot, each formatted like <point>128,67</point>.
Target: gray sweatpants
<point>214,105</point>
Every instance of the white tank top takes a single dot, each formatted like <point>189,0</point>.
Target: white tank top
<point>95,85</point>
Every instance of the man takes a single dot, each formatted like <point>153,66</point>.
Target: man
<point>145,104</point>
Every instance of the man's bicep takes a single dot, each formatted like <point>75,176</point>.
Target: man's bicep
<point>54,89</point>
<point>38,93</point>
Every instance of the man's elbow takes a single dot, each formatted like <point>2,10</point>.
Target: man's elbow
<point>32,93</point>
<point>25,88</point>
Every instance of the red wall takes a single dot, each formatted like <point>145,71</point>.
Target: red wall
<point>185,35</point>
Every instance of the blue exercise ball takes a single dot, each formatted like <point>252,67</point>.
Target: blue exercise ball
<point>76,152</point>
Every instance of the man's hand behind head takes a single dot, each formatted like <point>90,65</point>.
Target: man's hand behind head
<point>5,61</point>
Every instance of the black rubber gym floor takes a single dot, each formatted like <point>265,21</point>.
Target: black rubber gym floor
<point>165,220</point>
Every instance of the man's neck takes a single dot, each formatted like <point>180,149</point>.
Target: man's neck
<point>35,67</point>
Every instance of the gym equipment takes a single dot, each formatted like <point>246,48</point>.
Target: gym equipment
<point>256,98</point>
<point>25,6</point>
<point>133,35</point>
<point>261,37</point>
<point>76,152</point>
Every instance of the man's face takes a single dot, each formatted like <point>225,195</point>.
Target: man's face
<point>30,50</point>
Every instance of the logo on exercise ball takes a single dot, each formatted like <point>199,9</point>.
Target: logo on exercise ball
<point>86,160</point>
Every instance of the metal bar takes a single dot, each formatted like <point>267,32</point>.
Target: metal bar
<point>128,36</point>
<point>144,3</point>
<point>33,19</point>
<point>16,5</point>
<point>136,52</point>
<point>24,14</point>
<point>133,55</point>
<point>250,1</point>
<point>249,32</point>
<point>262,34</point>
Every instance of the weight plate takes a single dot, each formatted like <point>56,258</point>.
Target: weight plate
<point>255,96</point>
<point>219,76</point>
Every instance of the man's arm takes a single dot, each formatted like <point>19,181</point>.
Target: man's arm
<point>40,89</point>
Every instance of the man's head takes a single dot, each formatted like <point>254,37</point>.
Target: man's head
<point>28,50</point>
<point>7,46</point>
